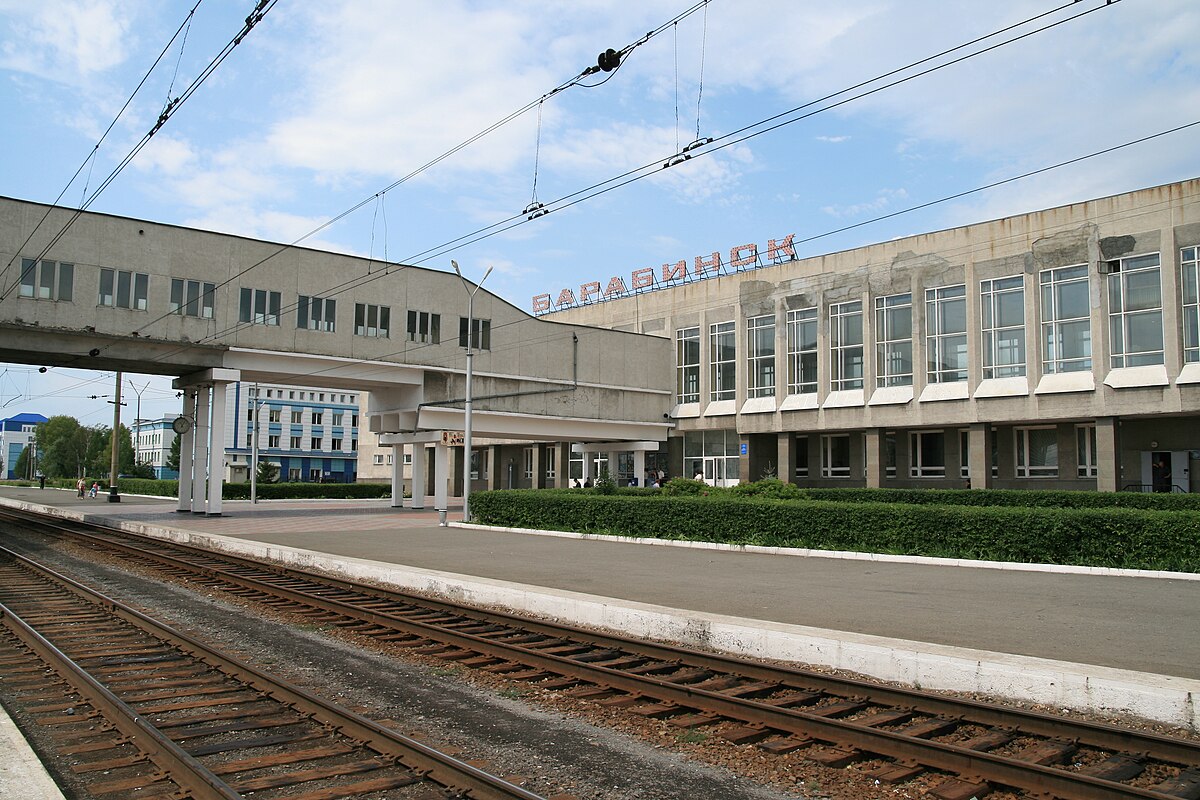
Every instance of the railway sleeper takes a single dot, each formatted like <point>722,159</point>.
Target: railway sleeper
<point>834,756</point>
<point>1185,785</point>
<point>1046,753</point>
<point>897,772</point>
<point>961,789</point>
<point>785,744</point>
<point>1118,767</point>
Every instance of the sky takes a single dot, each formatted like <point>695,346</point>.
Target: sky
<point>322,107</point>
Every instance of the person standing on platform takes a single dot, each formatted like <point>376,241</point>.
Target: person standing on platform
<point>81,486</point>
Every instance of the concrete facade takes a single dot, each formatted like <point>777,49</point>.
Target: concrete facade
<point>1055,349</point>
<point>16,433</point>
<point>152,444</point>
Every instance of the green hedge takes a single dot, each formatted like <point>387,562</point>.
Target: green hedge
<point>1038,498</point>
<point>1112,537</point>
<point>233,491</point>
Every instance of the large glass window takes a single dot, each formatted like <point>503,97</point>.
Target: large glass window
<point>316,313</point>
<point>927,454</point>
<point>1066,320</point>
<point>893,340</point>
<point>1085,450</point>
<point>259,307</point>
<point>845,346</point>
<point>946,333</point>
<point>760,349</point>
<point>1189,264</point>
<point>1002,307</point>
<point>713,455</point>
<point>722,361</point>
<point>1037,452</point>
<point>835,456</point>
<point>191,298</point>
<point>801,453</point>
<point>687,365</point>
<point>372,320</point>
<point>802,351</point>
<point>1135,324</point>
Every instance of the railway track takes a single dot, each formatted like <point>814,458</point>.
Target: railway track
<point>146,711</point>
<point>834,721</point>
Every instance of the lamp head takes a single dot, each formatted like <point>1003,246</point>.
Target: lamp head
<point>454,264</point>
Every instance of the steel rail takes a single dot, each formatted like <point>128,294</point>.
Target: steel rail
<point>421,759</point>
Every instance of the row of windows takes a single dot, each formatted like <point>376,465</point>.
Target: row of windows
<point>294,394</point>
<point>1036,451</point>
<point>336,443</point>
<point>53,280</point>
<point>1135,317</point>
<point>336,418</point>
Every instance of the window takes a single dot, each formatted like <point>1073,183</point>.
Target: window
<point>1066,321</point>
<point>1135,325</point>
<point>391,458</point>
<point>889,454</point>
<point>760,355</point>
<point>47,280</point>
<point>259,307</point>
<point>424,327</point>
<point>964,453</point>
<point>314,443</point>
<point>927,454</point>
<point>1037,452</point>
<point>893,340</point>
<point>338,417</point>
<point>551,462</point>
<point>687,365</point>
<point>407,458</point>
<point>802,351</point>
<point>379,459</point>
<point>1085,450</point>
<point>294,442</point>
<point>335,444</point>
<point>273,441</point>
<point>722,362</point>
<point>846,346</point>
<point>314,475</point>
<point>372,320</point>
<point>249,415</point>
<point>275,415</point>
<point>528,461</point>
<point>835,456</point>
<point>193,299</point>
<point>481,333</point>
<point>353,445</point>
<point>293,474</point>
<point>316,313</point>
<point>946,334</point>
<point>1189,264</point>
<point>801,450</point>
<point>1002,305</point>
<point>121,289</point>
<point>317,416</point>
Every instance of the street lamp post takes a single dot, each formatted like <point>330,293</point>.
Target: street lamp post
<point>258,404</point>
<point>137,423</point>
<point>467,409</point>
<point>114,496</point>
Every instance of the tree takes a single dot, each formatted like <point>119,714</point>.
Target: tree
<point>65,446</point>
<point>267,472</point>
<point>140,470</point>
<point>21,470</point>
<point>100,451</point>
<point>173,456</point>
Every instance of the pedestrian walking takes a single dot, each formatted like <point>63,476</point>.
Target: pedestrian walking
<point>95,489</point>
<point>80,486</point>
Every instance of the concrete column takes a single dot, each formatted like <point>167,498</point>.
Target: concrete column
<point>979,459</point>
<point>639,466</point>
<point>538,479</point>
<point>786,471</point>
<point>216,450</point>
<point>1108,455</point>
<point>745,474</point>
<point>186,443</point>
<point>497,468</point>
<point>587,466</point>
<point>418,475</point>
<point>398,475</point>
<point>200,462</point>
<point>875,457</point>
<point>614,458</point>
<point>562,467</point>
<point>441,474</point>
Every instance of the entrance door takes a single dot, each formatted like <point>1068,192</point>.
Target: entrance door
<point>714,470</point>
<point>1165,471</point>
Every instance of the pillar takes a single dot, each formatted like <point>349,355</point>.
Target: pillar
<point>562,466</point>
<point>539,472</point>
<point>587,466</point>
<point>875,457</point>
<point>639,466</point>
<point>398,476</point>
<point>979,456</point>
<point>418,475</point>
<point>441,475</point>
<point>784,443</point>
<point>614,461</point>
<point>497,475</point>
<point>200,462</point>
<point>186,441</point>
<point>1108,455</point>
<point>216,450</point>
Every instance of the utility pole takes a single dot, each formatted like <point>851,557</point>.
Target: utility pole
<point>467,410</point>
<point>254,450</point>
<point>113,495</point>
<point>137,422</point>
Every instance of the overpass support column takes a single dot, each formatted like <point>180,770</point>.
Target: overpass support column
<point>186,443</point>
<point>418,475</point>
<point>538,479</point>
<point>562,465</point>
<point>216,450</point>
<point>441,475</point>
<point>587,467</point>
<point>200,461</point>
<point>397,475</point>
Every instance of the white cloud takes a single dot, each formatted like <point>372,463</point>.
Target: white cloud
<point>832,139</point>
<point>882,201</point>
<point>64,40</point>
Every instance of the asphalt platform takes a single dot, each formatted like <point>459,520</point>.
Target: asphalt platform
<point>1075,638</point>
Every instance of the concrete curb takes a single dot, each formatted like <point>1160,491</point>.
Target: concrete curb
<point>1066,569</point>
<point>1063,685</point>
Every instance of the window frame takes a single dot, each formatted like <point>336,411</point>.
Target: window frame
<point>1053,325</point>
<point>828,468</point>
<point>760,356</point>
<point>939,340</point>
<point>803,361</point>
<point>1024,468</point>
<point>993,341</point>
<point>1189,299</point>
<point>891,343</point>
<point>842,346</point>
<point>722,372</point>
<point>1124,321</point>
<point>687,365</point>
<point>919,465</point>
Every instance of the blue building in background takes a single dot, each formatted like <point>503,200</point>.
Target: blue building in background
<point>16,433</point>
<point>153,439</point>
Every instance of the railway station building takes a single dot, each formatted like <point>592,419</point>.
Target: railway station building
<point>1053,349</point>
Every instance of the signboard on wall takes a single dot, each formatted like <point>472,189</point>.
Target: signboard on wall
<point>453,438</point>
